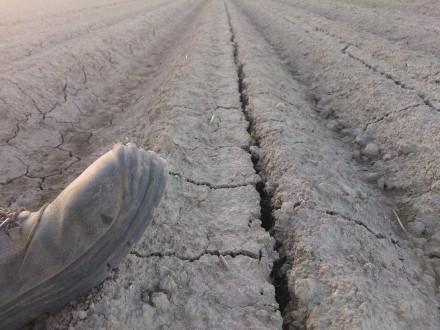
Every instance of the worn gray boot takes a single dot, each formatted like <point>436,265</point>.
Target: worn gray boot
<point>52,256</point>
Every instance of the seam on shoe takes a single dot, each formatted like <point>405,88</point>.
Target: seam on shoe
<point>31,234</point>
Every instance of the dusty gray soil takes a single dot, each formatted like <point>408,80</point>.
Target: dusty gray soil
<point>293,131</point>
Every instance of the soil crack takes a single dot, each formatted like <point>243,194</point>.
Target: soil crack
<point>279,279</point>
<point>192,259</point>
<point>210,185</point>
<point>389,76</point>
<point>358,222</point>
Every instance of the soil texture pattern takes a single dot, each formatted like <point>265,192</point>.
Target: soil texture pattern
<point>303,145</point>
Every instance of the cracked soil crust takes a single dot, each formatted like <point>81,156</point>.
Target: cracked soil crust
<point>303,145</point>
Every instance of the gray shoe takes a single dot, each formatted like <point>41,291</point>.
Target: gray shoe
<point>52,256</point>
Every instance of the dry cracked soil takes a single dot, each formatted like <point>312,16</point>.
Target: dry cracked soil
<point>303,143</point>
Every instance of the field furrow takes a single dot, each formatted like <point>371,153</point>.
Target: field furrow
<point>302,140</point>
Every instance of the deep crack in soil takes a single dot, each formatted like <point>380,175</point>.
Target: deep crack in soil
<point>278,274</point>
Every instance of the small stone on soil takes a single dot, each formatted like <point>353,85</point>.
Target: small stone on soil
<point>371,150</point>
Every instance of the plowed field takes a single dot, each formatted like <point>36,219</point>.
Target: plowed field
<point>303,143</point>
